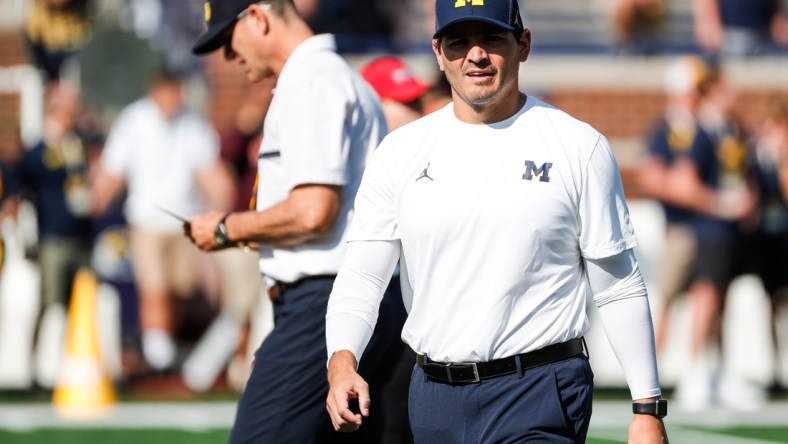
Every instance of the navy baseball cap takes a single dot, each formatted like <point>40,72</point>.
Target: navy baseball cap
<point>503,13</point>
<point>220,15</point>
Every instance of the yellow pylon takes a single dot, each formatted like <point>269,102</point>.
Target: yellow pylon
<point>83,389</point>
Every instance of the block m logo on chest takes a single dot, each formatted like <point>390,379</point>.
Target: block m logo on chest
<point>543,171</point>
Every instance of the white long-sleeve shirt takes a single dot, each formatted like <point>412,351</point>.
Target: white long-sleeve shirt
<point>495,227</point>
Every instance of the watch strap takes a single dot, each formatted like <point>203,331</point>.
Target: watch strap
<point>658,408</point>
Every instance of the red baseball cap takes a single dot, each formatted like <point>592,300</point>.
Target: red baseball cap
<point>392,79</point>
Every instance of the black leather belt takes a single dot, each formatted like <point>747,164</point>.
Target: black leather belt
<point>468,372</point>
<point>276,290</point>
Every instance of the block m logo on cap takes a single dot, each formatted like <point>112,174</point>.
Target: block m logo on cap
<point>461,3</point>
<point>502,13</point>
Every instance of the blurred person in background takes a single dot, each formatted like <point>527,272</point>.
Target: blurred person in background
<point>54,31</point>
<point>676,136</point>
<point>53,175</point>
<point>715,182</point>
<point>636,23</point>
<point>165,157</point>
<point>741,27</point>
<point>767,251</point>
<point>400,91</point>
<point>322,125</point>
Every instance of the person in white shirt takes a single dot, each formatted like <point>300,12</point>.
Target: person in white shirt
<point>166,157</point>
<point>505,214</point>
<point>322,125</point>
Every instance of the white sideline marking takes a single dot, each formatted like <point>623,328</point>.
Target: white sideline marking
<point>617,414</point>
<point>181,415</point>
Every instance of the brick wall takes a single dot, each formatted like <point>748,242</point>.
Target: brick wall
<point>12,50</point>
<point>9,125</point>
<point>616,114</point>
<point>630,114</point>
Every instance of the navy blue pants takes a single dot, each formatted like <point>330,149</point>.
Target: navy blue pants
<point>547,404</point>
<point>285,397</point>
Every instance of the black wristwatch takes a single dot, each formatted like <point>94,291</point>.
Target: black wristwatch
<point>220,233</point>
<point>658,408</point>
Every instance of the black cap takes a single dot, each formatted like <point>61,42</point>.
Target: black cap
<point>220,15</point>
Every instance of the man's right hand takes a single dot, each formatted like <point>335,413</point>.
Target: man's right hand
<point>345,384</point>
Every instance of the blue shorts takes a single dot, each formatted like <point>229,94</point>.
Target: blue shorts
<point>551,403</point>
<point>285,397</point>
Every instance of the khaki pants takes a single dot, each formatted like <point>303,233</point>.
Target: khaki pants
<point>241,282</point>
<point>59,259</point>
<point>677,260</point>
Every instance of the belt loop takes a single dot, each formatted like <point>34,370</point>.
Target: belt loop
<point>420,361</point>
<point>585,347</point>
<point>518,362</point>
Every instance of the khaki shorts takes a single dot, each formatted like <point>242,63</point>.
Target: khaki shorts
<point>677,260</point>
<point>242,285</point>
<point>163,263</point>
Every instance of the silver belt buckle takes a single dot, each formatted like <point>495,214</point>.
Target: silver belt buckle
<point>475,372</point>
<point>471,364</point>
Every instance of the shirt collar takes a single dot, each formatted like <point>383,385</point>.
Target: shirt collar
<point>310,46</point>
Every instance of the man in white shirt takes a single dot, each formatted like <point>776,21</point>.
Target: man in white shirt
<point>165,156</point>
<point>505,213</point>
<point>322,125</point>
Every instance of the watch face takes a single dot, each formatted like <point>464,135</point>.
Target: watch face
<point>662,408</point>
<point>220,235</point>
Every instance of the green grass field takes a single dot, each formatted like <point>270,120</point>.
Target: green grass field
<point>175,436</point>
<point>115,436</point>
<point>202,422</point>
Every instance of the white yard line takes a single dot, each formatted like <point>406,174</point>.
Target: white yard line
<point>617,414</point>
<point>181,415</point>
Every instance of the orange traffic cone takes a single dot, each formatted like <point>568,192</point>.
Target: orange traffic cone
<point>83,389</point>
